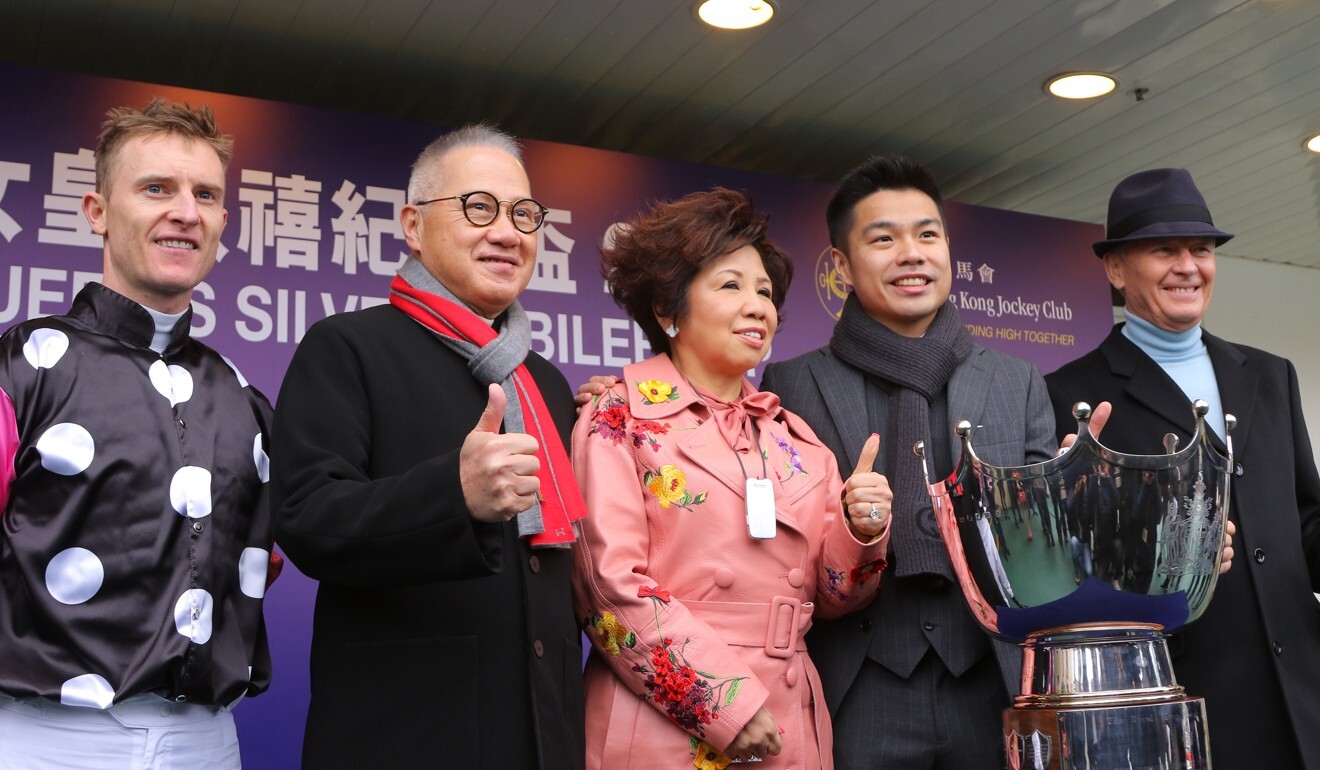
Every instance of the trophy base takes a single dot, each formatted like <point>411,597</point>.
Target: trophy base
<point>1151,736</point>
<point>1102,696</point>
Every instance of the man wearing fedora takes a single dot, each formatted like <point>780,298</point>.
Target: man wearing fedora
<point>1255,654</point>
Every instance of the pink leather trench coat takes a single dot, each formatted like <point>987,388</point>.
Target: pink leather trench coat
<point>694,624</point>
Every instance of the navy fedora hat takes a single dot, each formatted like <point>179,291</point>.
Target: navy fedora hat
<point>1159,203</point>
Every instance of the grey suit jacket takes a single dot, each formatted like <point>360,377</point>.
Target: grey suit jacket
<point>1005,397</point>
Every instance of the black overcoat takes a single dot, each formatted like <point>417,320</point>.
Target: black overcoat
<point>438,642</point>
<point>1255,654</point>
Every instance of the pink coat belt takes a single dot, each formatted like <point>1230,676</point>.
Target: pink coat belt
<point>778,627</point>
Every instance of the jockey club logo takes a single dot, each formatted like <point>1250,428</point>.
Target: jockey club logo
<point>1028,752</point>
<point>830,288</point>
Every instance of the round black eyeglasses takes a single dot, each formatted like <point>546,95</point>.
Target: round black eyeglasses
<point>481,209</point>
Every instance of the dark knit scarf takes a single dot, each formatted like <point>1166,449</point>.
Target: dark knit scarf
<point>917,368</point>
<point>498,358</point>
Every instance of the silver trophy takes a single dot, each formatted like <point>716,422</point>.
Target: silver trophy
<point>1087,561</point>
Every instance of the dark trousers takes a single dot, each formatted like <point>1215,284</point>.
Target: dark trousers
<point>930,721</point>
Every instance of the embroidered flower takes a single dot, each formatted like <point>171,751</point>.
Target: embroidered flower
<point>645,431</point>
<point>690,698</point>
<point>613,634</point>
<point>835,583</point>
<point>656,392</point>
<point>657,592</point>
<point>669,485</point>
<point>611,423</point>
<point>614,421</point>
<point>838,582</point>
<point>864,572</point>
<point>707,757</point>
<point>794,461</point>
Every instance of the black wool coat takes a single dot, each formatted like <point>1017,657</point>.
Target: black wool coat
<point>438,641</point>
<point>1255,653</point>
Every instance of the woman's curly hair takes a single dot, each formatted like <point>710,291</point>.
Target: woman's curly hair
<point>651,260</point>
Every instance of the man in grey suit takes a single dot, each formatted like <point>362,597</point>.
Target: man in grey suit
<point>912,681</point>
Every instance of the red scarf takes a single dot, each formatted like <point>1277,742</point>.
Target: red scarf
<point>561,500</point>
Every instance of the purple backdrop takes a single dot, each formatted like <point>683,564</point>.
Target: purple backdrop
<point>313,197</point>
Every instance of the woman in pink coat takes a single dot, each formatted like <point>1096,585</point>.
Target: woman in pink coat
<point>715,534</point>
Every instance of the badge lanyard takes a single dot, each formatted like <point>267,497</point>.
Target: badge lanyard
<point>760,498</point>
<point>760,493</point>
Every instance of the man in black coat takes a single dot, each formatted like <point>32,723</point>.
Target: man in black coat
<point>1255,654</point>
<point>444,632</point>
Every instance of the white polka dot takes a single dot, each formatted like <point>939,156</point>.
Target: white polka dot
<point>190,491</point>
<point>74,575</point>
<point>45,348</point>
<point>172,382</point>
<point>88,691</point>
<point>262,460</point>
<point>252,567</point>
<point>192,615</point>
<point>66,449</point>
<point>242,381</point>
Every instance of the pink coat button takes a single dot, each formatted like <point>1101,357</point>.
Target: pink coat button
<point>791,677</point>
<point>796,577</point>
<point>723,577</point>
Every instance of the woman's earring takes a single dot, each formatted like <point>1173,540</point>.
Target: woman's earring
<point>672,330</point>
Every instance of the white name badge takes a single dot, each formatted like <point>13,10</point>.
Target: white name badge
<point>760,508</point>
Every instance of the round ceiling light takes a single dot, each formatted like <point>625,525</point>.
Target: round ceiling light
<point>1080,85</point>
<point>735,14</point>
<point>1313,144</point>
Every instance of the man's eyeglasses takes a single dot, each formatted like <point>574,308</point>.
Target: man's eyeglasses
<point>481,209</point>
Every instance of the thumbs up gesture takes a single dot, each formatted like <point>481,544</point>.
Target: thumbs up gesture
<point>867,499</point>
<point>497,470</point>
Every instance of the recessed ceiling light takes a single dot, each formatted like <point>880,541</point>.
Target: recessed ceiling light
<point>1313,144</point>
<point>735,14</point>
<point>1080,85</point>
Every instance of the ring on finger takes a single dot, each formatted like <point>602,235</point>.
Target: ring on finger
<point>875,512</point>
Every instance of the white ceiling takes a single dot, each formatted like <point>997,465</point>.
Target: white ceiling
<point>1231,87</point>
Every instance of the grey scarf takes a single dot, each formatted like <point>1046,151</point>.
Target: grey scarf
<point>493,363</point>
<point>918,368</point>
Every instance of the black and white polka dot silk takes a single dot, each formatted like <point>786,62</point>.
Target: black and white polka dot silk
<point>135,536</point>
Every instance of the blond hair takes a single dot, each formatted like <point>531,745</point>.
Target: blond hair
<point>161,116</point>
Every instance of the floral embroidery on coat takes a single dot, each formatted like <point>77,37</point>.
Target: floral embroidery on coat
<point>614,421</point>
<point>656,392</point>
<point>792,460</point>
<point>613,635</point>
<point>838,582</point>
<point>706,756</point>
<point>669,485</point>
<point>657,592</point>
<point>691,698</point>
<point>867,570</point>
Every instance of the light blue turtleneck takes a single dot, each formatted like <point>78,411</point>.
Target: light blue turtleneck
<point>1184,357</point>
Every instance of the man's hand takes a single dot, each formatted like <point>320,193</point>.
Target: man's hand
<point>866,491</point>
<point>596,386</point>
<point>759,738</point>
<point>1099,416</point>
<point>498,470</point>
<point>1230,529</point>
